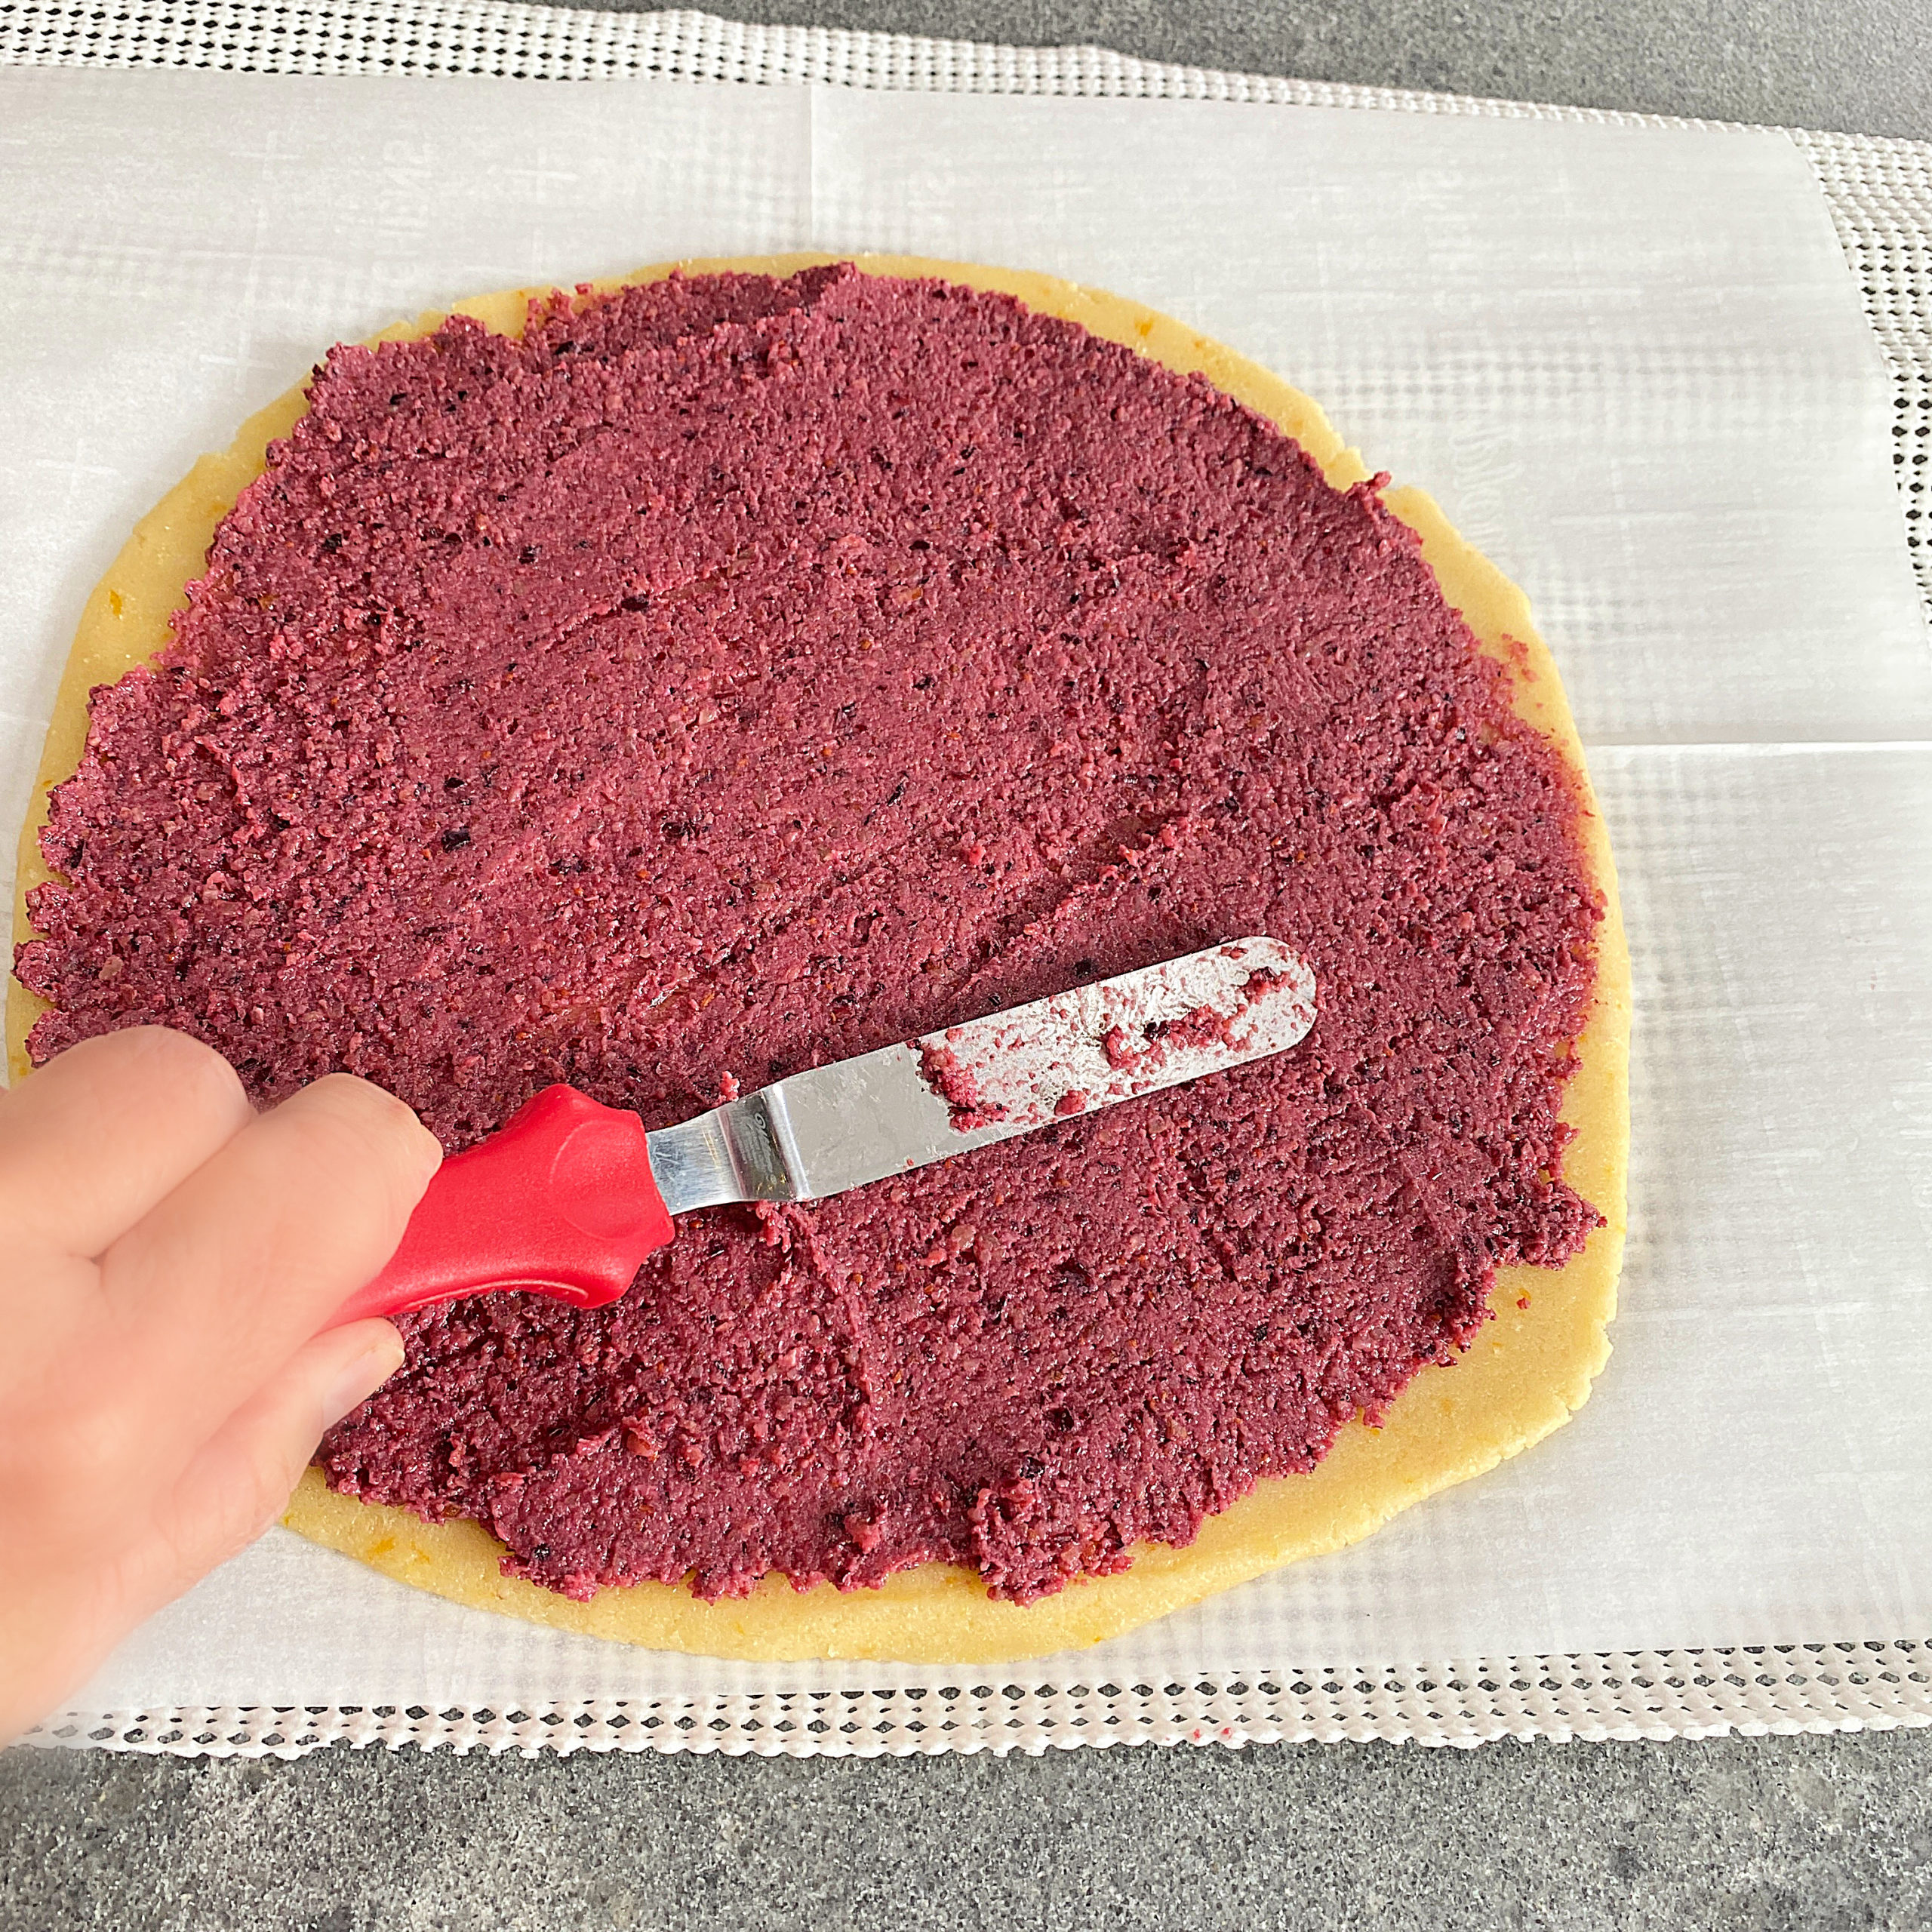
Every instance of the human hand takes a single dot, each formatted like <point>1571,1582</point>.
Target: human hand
<point>167,1257</point>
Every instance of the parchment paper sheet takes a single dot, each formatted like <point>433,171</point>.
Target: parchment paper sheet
<point>1630,363</point>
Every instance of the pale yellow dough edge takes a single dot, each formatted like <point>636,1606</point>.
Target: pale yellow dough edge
<point>1523,1376</point>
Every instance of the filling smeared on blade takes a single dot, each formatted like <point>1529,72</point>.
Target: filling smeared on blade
<point>1093,1046</point>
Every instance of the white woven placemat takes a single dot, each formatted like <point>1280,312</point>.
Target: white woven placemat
<point>1880,194</point>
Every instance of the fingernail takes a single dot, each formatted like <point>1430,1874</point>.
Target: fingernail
<point>361,1377</point>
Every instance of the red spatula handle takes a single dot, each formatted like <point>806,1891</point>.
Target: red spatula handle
<point>560,1202</point>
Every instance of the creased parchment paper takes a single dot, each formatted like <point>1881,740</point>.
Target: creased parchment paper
<point>1629,362</point>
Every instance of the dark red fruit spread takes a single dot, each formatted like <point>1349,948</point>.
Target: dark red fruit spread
<point>734,675</point>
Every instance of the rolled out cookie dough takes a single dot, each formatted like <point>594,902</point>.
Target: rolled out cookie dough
<point>1525,1373</point>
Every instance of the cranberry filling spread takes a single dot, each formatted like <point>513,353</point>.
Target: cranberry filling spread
<point>736,674</point>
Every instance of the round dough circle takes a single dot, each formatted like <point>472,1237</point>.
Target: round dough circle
<point>1525,1374</point>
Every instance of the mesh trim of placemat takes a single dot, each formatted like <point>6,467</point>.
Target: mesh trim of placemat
<point>1880,195</point>
<point>1657,1694</point>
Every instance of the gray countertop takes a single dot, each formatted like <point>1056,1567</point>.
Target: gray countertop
<point>1766,1832</point>
<point>1802,1833</point>
<point>1858,66</point>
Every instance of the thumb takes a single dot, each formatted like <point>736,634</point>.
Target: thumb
<point>241,1479</point>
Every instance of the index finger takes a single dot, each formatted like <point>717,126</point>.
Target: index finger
<point>106,1130</point>
<point>246,1260</point>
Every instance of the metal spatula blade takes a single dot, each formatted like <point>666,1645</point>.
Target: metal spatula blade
<point>859,1120</point>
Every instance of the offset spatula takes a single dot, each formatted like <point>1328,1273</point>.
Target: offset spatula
<point>569,1197</point>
